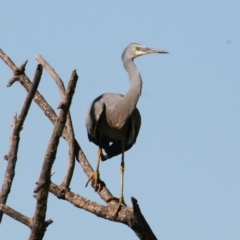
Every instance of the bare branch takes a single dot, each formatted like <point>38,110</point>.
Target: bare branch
<point>38,222</point>
<point>26,83</point>
<point>104,193</point>
<point>49,112</point>
<point>17,127</point>
<point>132,217</point>
<point>7,60</point>
<point>106,212</point>
<point>12,80</point>
<point>79,201</point>
<point>140,225</point>
<point>16,215</point>
<point>71,156</point>
<point>29,98</point>
<point>21,69</point>
<point>70,139</point>
<point>53,74</point>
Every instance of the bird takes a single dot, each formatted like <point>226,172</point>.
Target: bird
<point>113,120</point>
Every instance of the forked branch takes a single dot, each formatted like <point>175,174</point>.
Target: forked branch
<point>38,227</point>
<point>131,217</point>
<point>70,139</point>
<point>15,137</point>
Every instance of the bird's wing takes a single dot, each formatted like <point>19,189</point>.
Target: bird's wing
<point>135,124</point>
<point>93,115</point>
<point>116,148</point>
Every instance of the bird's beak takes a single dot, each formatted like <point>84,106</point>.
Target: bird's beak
<point>146,50</point>
<point>154,50</point>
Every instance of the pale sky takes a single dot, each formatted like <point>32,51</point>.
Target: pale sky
<point>184,168</point>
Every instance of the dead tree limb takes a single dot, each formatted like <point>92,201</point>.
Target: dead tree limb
<point>132,217</point>
<point>71,154</point>
<point>105,194</point>
<point>15,137</point>
<point>26,83</point>
<point>38,226</point>
<point>16,215</point>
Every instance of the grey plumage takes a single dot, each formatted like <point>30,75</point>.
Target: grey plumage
<point>113,120</point>
<point>108,122</point>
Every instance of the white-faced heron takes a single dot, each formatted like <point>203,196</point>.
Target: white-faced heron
<point>113,120</point>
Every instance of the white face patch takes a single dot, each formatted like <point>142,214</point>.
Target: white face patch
<point>137,50</point>
<point>138,47</point>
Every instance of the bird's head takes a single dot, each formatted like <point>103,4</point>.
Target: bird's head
<point>134,50</point>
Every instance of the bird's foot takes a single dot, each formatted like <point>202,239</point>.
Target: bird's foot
<point>121,202</point>
<point>96,181</point>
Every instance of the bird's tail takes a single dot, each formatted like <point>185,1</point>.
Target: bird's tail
<point>113,150</point>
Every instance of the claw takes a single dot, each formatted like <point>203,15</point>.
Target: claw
<point>97,185</point>
<point>121,202</point>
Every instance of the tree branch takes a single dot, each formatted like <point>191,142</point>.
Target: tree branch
<point>26,83</point>
<point>131,217</point>
<point>19,216</point>
<point>38,227</point>
<point>16,215</point>
<point>14,141</point>
<point>70,139</point>
<point>105,194</point>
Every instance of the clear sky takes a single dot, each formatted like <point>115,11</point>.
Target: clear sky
<point>184,168</point>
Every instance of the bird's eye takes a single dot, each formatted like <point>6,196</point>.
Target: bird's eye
<point>137,48</point>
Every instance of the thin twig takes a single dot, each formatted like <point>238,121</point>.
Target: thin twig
<point>53,74</point>
<point>15,138</point>
<point>26,83</point>
<point>12,80</point>
<point>71,154</point>
<point>38,222</point>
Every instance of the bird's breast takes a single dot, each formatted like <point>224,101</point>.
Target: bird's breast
<point>113,126</point>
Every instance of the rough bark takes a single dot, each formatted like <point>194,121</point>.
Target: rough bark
<point>15,138</point>
<point>38,226</point>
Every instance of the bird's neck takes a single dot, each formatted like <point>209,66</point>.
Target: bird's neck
<point>130,99</point>
<point>135,89</point>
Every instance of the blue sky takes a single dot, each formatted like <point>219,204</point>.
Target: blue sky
<point>184,168</point>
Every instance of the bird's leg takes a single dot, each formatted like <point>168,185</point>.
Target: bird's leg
<point>121,199</point>
<point>95,176</point>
